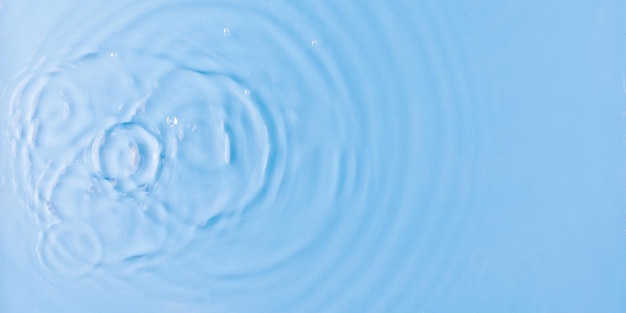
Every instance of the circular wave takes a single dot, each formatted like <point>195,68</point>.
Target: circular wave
<point>219,140</point>
<point>184,140</point>
<point>226,148</point>
<point>128,156</point>
<point>69,248</point>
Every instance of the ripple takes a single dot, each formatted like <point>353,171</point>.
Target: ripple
<point>55,109</point>
<point>69,248</point>
<point>164,143</point>
<point>232,131</point>
<point>219,141</point>
<point>128,156</point>
<point>134,233</point>
<point>229,160</point>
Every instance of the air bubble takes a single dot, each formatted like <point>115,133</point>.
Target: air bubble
<point>114,55</point>
<point>246,92</point>
<point>226,31</point>
<point>314,43</point>
<point>172,121</point>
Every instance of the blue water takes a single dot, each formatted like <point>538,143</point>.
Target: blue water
<point>312,156</point>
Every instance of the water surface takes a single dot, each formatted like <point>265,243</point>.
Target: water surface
<point>254,156</point>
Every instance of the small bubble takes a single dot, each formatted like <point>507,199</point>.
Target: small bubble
<point>226,31</point>
<point>246,92</point>
<point>114,55</point>
<point>314,43</point>
<point>172,121</point>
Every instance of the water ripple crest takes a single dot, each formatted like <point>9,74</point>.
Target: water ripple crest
<point>223,149</point>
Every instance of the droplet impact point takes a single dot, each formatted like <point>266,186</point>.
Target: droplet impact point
<point>127,156</point>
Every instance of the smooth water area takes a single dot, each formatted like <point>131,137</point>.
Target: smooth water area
<point>312,156</point>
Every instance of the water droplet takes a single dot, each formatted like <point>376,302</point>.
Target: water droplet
<point>247,92</point>
<point>314,43</point>
<point>226,31</point>
<point>172,121</point>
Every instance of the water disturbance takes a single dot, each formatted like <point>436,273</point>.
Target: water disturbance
<point>253,156</point>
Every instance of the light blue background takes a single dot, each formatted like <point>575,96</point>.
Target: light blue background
<point>529,205</point>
